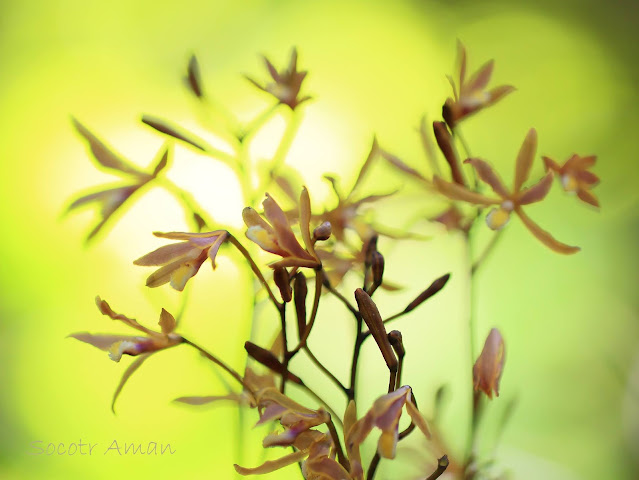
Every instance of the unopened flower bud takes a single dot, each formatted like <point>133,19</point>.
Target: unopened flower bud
<point>323,232</point>
<point>434,287</point>
<point>375,324</point>
<point>266,358</point>
<point>489,365</point>
<point>445,143</point>
<point>377,267</point>
<point>282,280</point>
<point>300,291</point>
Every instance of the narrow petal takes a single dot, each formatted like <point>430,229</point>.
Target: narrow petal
<point>537,192</point>
<point>282,229</point>
<point>525,159</point>
<point>189,235</point>
<point>489,176</point>
<point>418,419</point>
<point>163,160</point>
<point>372,154</point>
<point>458,192</point>
<point>167,254</point>
<point>103,342</point>
<point>461,62</point>
<point>233,397</point>
<point>400,165</point>
<point>186,271</point>
<point>137,363</point>
<point>545,237</point>
<point>580,163</point>
<point>106,309</point>
<point>176,132</point>
<point>551,164</point>
<point>212,253</point>
<point>587,197</point>
<point>104,155</point>
<point>162,275</point>
<point>328,468</point>
<point>481,78</point>
<point>272,465</point>
<point>498,93</point>
<point>586,177</point>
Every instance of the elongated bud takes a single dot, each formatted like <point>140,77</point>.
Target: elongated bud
<point>445,143</point>
<point>323,232</point>
<point>377,267</point>
<point>300,291</point>
<point>434,287</point>
<point>174,131</point>
<point>395,339</point>
<point>270,361</point>
<point>489,365</point>
<point>375,324</point>
<point>282,280</point>
<point>193,77</point>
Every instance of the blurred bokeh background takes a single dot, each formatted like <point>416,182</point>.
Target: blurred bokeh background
<point>570,324</point>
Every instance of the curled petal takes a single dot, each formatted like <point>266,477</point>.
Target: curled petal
<point>458,192</point>
<point>545,237</point>
<point>282,229</point>
<point>489,176</point>
<point>525,159</point>
<point>537,192</point>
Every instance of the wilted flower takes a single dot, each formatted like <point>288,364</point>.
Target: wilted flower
<point>470,95</point>
<point>112,198</point>
<point>286,84</point>
<point>489,365</point>
<point>118,345</point>
<point>276,236</point>
<point>384,414</point>
<point>575,177</point>
<point>509,200</point>
<point>181,261</point>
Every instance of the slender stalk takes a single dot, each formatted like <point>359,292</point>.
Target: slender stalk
<point>338,446</point>
<point>486,252</point>
<point>373,466</point>
<point>282,310</point>
<point>359,339</point>
<point>217,361</point>
<point>255,268</point>
<point>341,297</point>
<point>258,122</point>
<point>442,465</point>
<point>318,292</point>
<point>326,371</point>
<point>187,200</point>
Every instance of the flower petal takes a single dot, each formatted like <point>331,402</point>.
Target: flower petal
<point>587,197</point>
<point>167,322</point>
<point>272,465</point>
<point>489,176</point>
<point>537,192</point>
<point>417,418</point>
<point>233,397</point>
<point>103,342</point>
<point>282,229</point>
<point>130,370</point>
<point>458,192</point>
<point>498,93</point>
<point>545,237</point>
<point>480,78</point>
<point>104,155</point>
<point>167,254</point>
<point>525,159</point>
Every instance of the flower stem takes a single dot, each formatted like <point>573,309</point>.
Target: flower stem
<point>217,361</point>
<point>255,268</point>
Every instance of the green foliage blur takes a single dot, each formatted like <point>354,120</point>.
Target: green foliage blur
<point>571,324</point>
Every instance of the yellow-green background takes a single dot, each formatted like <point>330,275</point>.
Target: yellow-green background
<point>570,324</point>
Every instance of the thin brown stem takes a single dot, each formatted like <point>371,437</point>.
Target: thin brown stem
<point>340,297</point>
<point>486,252</point>
<point>338,446</point>
<point>325,370</point>
<point>442,465</point>
<point>217,361</point>
<point>311,321</point>
<point>373,466</point>
<point>312,393</point>
<point>255,268</point>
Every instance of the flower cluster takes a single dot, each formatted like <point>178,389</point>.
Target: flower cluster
<point>318,252</point>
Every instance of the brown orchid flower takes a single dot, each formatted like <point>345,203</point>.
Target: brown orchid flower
<point>275,234</point>
<point>320,464</point>
<point>141,347</point>
<point>470,94</point>
<point>111,199</point>
<point>118,345</point>
<point>384,414</point>
<point>575,177</point>
<point>489,365</point>
<point>286,84</point>
<point>181,261</point>
<point>509,201</point>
